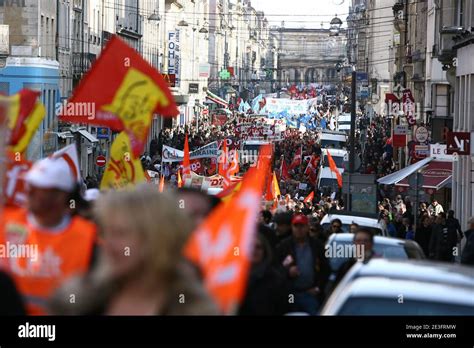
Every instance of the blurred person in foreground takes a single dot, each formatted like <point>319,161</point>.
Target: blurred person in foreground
<point>302,259</point>
<point>11,302</point>
<point>267,292</point>
<point>64,243</point>
<point>141,270</point>
<point>196,204</point>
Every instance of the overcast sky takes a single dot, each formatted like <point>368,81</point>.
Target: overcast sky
<point>299,13</point>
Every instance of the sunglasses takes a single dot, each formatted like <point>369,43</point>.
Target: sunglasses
<point>336,226</point>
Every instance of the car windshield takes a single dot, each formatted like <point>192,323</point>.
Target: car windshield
<point>326,182</point>
<point>381,250</point>
<point>332,144</point>
<point>387,306</point>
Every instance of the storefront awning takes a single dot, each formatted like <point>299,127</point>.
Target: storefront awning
<point>436,174</point>
<point>398,176</point>
<point>214,98</point>
<point>88,136</point>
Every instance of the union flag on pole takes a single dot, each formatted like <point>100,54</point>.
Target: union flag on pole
<point>121,91</point>
<point>123,170</point>
<point>221,246</point>
<point>24,115</point>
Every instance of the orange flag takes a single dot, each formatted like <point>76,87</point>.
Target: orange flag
<point>161,187</point>
<point>332,166</point>
<point>309,197</point>
<point>121,91</point>
<point>269,195</point>
<point>180,181</point>
<point>222,245</point>
<point>186,161</point>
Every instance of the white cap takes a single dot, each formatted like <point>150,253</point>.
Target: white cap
<point>51,173</point>
<point>92,195</point>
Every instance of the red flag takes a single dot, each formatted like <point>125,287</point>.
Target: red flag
<point>284,175</point>
<point>230,228</point>
<point>332,166</point>
<point>223,165</point>
<point>309,197</point>
<point>121,91</point>
<point>312,166</point>
<point>297,159</point>
<point>186,165</point>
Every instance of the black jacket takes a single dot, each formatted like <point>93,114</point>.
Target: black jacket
<point>422,237</point>
<point>467,256</point>
<point>321,264</point>
<point>441,248</point>
<point>267,292</point>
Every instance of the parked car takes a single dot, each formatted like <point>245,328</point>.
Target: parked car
<point>370,221</point>
<point>385,247</point>
<point>403,287</point>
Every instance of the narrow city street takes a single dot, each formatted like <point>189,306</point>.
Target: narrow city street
<point>237,158</point>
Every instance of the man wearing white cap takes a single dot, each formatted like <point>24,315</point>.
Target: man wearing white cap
<point>64,244</point>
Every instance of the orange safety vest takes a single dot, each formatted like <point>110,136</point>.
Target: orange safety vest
<point>47,259</point>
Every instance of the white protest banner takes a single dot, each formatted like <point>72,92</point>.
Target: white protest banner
<point>171,154</point>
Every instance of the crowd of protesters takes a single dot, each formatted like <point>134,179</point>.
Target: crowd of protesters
<point>121,273</point>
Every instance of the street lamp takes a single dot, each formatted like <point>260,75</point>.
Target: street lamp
<point>335,26</point>
<point>154,17</point>
<point>183,23</point>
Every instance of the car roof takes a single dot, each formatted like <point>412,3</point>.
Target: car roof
<point>336,137</point>
<point>335,152</point>
<point>410,289</point>
<point>420,270</point>
<point>348,237</point>
<point>348,219</point>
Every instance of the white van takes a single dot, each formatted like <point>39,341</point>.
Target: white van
<point>328,179</point>
<point>335,140</point>
<point>344,123</point>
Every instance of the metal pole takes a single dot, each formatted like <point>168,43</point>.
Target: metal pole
<point>415,213</point>
<point>353,122</point>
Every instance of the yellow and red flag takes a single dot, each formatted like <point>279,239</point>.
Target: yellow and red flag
<point>123,169</point>
<point>121,91</point>
<point>24,115</point>
<point>186,161</point>
<point>332,166</point>
<point>221,245</point>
